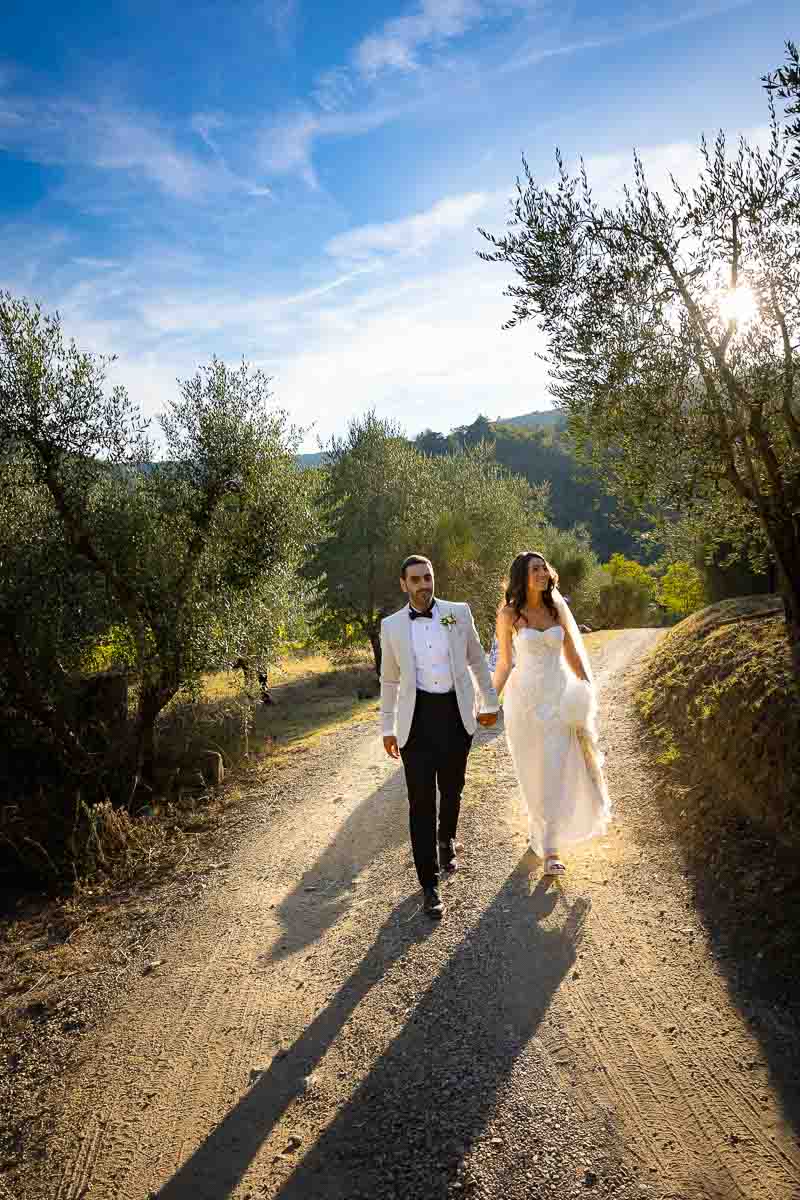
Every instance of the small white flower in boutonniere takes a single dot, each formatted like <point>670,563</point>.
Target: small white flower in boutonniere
<point>448,620</point>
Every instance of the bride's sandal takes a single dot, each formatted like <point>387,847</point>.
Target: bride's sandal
<point>554,866</point>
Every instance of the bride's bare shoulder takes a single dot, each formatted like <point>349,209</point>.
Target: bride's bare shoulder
<point>506,617</point>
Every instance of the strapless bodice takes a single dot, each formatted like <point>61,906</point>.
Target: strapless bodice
<point>539,641</point>
<point>538,679</point>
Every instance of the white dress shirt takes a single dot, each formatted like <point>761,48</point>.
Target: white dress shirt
<point>431,653</point>
<point>411,658</point>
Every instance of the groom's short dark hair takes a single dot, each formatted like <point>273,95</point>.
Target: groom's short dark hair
<point>412,561</point>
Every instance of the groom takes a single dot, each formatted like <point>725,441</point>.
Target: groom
<point>428,714</point>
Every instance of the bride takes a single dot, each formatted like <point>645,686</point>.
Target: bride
<point>549,710</point>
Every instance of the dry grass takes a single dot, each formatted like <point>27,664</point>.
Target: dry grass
<point>311,697</point>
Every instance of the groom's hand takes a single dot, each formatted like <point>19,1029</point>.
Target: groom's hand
<point>485,719</point>
<point>390,746</point>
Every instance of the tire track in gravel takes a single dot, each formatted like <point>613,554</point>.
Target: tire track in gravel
<point>180,1019</point>
<point>227,1034</point>
<point>670,1097</point>
<point>727,1111</point>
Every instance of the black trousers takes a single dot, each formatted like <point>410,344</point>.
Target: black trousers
<point>435,753</point>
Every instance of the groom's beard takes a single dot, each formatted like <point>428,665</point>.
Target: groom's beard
<point>421,601</point>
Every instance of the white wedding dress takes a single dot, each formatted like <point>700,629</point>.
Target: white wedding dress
<point>558,765</point>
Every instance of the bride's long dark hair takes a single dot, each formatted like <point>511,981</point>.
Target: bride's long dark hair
<point>516,592</point>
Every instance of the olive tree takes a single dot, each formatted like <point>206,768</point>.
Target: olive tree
<point>674,334</point>
<point>52,610</point>
<point>484,516</point>
<point>374,505</point>
<point>784,83</point>
<point>381,499</point>
<point>165,551</point>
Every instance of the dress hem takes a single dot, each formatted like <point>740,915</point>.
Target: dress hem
<point>600,830</point>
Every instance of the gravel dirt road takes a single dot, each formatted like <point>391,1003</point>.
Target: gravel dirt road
<point>307,1034</point>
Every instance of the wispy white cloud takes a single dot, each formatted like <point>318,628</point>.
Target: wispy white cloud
<point>349,99</point>
<point>27,251</point>
<point>69,131</point>
<point>66,131</point>
<point>540,48</point>
<point>121,141</point>
<point>406,67</point>
<point>209,126</point>
<point>396,45</point>
<point>285,143</point>
<point>334,89</point>
<point>173,312</point>
<point>410,235</point>
<point>206,125</point>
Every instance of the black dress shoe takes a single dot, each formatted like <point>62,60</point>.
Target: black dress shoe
<point>432,904</point>
<point>447,857</point>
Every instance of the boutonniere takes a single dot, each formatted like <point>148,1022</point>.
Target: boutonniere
<point>448,620</point>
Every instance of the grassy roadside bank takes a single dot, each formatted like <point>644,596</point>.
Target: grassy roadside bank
<point>719,702</point>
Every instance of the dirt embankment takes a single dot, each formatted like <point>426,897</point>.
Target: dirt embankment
<point>721,695</point>
<point>720,699</point>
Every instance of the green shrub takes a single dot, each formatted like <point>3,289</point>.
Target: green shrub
<point>626,596</point>
<point>681,589</point>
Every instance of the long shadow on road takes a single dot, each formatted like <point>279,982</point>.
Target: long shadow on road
<point>377,825</point>
<point>430,1093</point>
<point>324,893</point>
<point>218,1165</point>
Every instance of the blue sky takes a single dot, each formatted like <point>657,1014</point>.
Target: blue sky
<point>300,183</point>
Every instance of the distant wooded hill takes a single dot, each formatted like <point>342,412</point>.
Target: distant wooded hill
<point>536,445</point>
<point>548,418</point>
<point>311,460</point>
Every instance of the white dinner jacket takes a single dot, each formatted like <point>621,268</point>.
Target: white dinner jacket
<point>399,669</point>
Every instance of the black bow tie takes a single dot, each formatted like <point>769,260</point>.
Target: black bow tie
<point>412,612</point>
